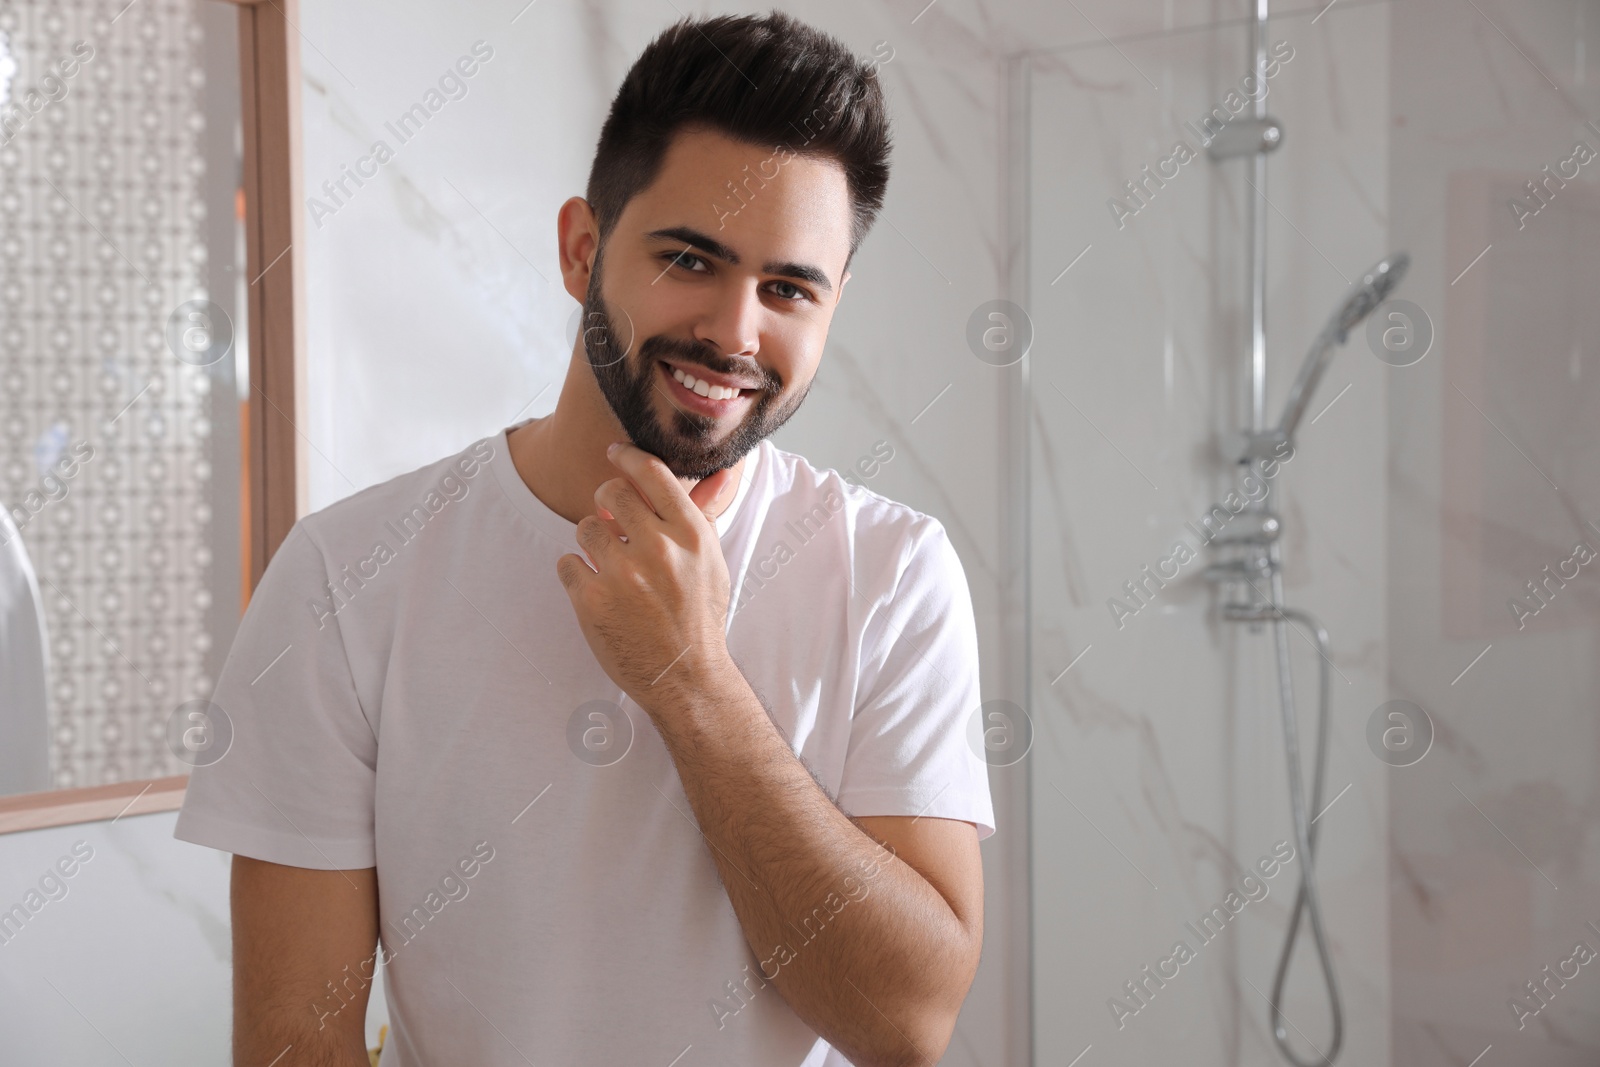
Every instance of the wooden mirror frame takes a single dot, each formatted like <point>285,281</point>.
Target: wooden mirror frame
<point>269,84</point>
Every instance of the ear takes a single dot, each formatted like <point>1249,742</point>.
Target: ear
<point>577,240</point>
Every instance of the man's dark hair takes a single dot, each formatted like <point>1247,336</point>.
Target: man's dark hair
<point>770,81</point>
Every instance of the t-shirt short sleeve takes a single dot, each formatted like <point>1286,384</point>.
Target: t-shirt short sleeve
<point>909,751</point>
<point>294,782</point>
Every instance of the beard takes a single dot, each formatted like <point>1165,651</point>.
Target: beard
<point>688,442</point>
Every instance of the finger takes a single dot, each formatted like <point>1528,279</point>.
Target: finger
<point>611,523</point>
<point>657,486</point>
<point>596,539</point>
<point>626,508</point>
<point>707,491</point>
<point>573,571</point>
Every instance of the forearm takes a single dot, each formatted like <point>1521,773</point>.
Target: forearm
<point>297,935</point>
<point>858,943</point>
<point>262,1035</point>
<point>272,1019</point>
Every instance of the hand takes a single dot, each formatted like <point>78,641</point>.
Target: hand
<point>653,607</point>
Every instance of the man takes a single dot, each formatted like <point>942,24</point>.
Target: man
<point>654,755</point>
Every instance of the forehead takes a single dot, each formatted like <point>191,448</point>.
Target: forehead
<point>785,205</point>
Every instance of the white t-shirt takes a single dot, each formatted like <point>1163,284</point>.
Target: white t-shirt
<point>409,689</point>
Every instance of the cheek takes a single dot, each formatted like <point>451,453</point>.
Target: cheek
<point>795,352</point>
<point>652,301</point>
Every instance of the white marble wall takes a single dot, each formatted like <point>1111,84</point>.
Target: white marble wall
<point>130,957</point>
<point>129,960</point>
<point>1496,871</point>
<point>1158,775</point>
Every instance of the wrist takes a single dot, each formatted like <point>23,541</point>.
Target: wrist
<point>695,687</point>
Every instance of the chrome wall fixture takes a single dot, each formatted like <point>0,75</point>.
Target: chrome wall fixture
<point>1249,544</point>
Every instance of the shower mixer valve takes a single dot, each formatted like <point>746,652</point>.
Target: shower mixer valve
<point>1248,538</point>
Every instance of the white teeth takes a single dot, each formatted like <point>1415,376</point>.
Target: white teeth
<point>706,389</point>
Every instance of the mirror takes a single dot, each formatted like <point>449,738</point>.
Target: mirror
<point>124,385</point>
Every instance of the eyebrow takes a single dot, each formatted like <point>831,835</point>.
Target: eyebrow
<point>711,246</point>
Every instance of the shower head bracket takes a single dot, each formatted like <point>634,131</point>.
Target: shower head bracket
<point>1260,444</point>
<point>1245,137</point>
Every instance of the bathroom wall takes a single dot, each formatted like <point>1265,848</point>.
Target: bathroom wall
<point>127,959</point>
<point>1493,440</point>
<point>127,956</point>
<point>1158,778</point>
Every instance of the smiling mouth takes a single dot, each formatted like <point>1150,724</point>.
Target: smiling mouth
<point>702,396</point>
<point>703,387</point>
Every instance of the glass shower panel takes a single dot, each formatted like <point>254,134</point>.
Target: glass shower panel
<point>1158,779</point>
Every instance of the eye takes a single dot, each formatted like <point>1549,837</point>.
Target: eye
<point>799,293</point>
<point>682,259</point>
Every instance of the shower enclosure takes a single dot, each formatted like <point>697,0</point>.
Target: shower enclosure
<point>1435,472</point>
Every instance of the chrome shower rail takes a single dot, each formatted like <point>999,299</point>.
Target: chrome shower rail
<point>1255,548</point>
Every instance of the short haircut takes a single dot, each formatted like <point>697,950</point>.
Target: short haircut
<point>770,81</point>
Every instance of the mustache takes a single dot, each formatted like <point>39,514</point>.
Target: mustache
<point>690,353</point>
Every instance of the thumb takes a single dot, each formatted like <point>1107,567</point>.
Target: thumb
<point>707,491</point>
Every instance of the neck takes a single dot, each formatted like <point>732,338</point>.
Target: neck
<point>562,456</point>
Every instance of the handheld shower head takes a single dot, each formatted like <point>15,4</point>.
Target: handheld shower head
<point>1373,289</point>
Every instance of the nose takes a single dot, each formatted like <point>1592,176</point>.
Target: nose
<point>732,323</point>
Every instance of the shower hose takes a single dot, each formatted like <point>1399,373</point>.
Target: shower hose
<point>1305,831</point>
